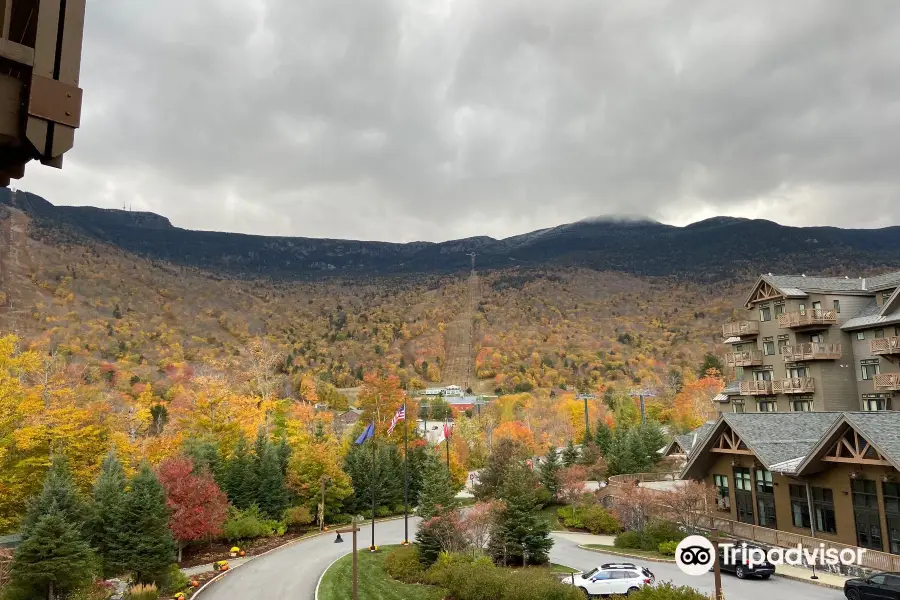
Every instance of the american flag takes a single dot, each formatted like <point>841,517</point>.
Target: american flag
<point>400,415</point>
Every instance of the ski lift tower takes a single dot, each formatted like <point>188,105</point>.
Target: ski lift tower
<point>643,393</point>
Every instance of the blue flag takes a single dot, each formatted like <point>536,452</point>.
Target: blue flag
<point>368,433</point>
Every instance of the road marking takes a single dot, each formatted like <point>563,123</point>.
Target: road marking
<point>322,576</point>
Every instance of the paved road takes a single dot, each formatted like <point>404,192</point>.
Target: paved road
<point>567,552</point>
<point>293,572</point>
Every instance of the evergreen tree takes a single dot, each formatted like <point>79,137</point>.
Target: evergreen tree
<point>145,546</point>
<point>272,496</point>
<point>240,477</point>
<point>603,437</point>
<point>206,456</point>
<point>437,495</point>
<point>59,491</point>
<point>507,453</point>
<point>590,454</point>
<point>106,516</point>
<point>53,558</point>
<point>636,452</point>
<point>549,472</point>
<point>387,477</point>
<point>654,438</point>
<point>284,454</point>
<point>570,455</point>
<point>520,535</point>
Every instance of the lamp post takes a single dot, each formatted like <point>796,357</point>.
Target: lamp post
<point>325,480</point>
<point>352,529</point>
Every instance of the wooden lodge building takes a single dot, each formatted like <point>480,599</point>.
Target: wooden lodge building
<point>828,475</point>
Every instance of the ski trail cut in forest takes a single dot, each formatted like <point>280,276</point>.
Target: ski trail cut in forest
<point>459,341</point>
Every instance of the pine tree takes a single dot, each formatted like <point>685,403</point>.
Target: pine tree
<point>437,495</point>
<point>284,454</point>
<point>653,437</point>
<point>53,558</point>
<point>145,546</point>
<point>603,437</point>
<point>507,453</point>
<point>570,455</point>
<point>520,535</point>
<point>106,514</point>
<point>272,494</point>
<point>240,477</point>
<point>206,456</point>
<point>549,472</point>
<point>59,491</point>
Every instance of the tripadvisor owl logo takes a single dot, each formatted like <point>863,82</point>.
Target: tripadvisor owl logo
<point>694,555</point>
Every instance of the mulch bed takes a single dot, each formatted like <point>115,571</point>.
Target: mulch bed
<point>220,550</point>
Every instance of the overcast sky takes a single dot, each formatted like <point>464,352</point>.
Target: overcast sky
<point>437,119</point>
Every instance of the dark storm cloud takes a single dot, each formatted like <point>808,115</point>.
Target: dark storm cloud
<point>431,119</point>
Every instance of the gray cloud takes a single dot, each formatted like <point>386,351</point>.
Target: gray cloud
<point>434,119</point>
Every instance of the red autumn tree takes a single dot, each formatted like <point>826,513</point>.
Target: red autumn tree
<point>198,507</point>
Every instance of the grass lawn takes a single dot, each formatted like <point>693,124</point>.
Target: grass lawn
<point>644,553</point>
<point>549,513</point>
<point>374,582</point>
<point>562,569</point>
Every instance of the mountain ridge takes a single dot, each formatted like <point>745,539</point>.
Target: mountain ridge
<point>714,248</point>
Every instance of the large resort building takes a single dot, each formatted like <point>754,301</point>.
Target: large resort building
<point>815,344</point>
<point>832,476</point>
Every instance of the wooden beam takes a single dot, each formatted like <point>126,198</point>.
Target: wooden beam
<point>856,461</point>
<point>731,451</point>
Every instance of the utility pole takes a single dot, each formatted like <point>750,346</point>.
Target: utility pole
<point>325,479</point>
<point>641,394</point>
<point>405,478</point>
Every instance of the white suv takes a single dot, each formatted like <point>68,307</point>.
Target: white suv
<point>614,578</point>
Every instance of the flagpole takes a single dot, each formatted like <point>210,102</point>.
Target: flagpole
<point>374,475</point>
<point>405,478</point>
<point>447,438</point>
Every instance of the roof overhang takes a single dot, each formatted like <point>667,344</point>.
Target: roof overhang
<point>700,457</point>
<point>813,460</point>
<point>762,290</point>
<point>674,448</point>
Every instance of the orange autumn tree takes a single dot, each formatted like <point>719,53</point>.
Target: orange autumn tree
<point>516,431</point>
<point>694,403</point>
<point>379,399</point>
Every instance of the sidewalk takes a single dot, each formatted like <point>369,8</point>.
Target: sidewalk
<point>585,538</point>
<point>825,578</point>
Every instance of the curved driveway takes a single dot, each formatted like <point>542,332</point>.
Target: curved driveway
<point>292,573</point>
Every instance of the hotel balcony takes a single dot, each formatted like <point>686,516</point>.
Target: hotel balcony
<point>756,388</point>
<point>811,351</point>
<point>887,382</point>
<point>816,317</point>
<point>752,358</point>
<point>740,329</point>
<point>888,345</point>
<point>794,385</point>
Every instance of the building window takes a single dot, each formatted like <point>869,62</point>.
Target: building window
<point>723,494</point>
<point>799,506</point>
<point>860,335</point>
<point>796,371</point>
<point>802,309</point>
<point>823,507</point>
<point>879,333</point>
<point>779,309</point>
<point>743,495</point>
<point>762,375</point>
<point>870,369</point>
<point>866,514</point>
<point>767,406</point>
<point>765,498</point>
<point>765,313</point>
<point>891,492</point>
<point>837,306</point>
<point>817,305</point>
<point>782,342</point>
<point>873,404</point>
<point>768,347</point>
<point>801,405</point>
<point>816,339</point>
<point>738,406</point>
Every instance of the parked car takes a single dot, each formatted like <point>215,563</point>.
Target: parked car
<point>613,578</point>
<point>880,586</point>
<point>741,566</point>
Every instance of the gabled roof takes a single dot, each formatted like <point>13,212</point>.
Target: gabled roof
<point>688,441</point>
<point>872,315</point>
<point>800,286</point>
<point>774,438</point>
<point>881,429</point>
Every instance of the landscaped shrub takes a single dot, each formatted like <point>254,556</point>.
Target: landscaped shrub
<point>142,592</point>
<point>383,511</point>
<point>403,564</point>
<point>339,519</point>
<point>176,581</point>
<point>571,517</point>
<point>247,524</point>
<point>628,539</point>
<point>668,548</point>
<point>298,516</point>
<point>439,571</point>
<point>658,531</point>
<point>667,591</point>
<point>543,497</point>
<point>598,520</point>
<point>482,580</point>
<point>98,590</point>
